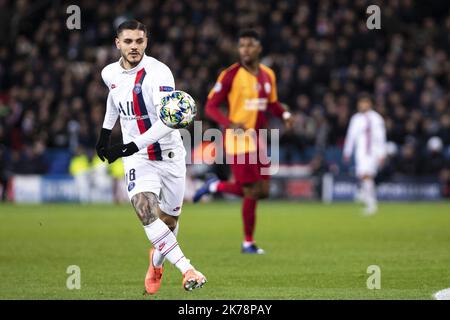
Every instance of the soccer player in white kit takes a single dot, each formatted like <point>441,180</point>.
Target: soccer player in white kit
<point>154,155</point>
<point>366,137</point>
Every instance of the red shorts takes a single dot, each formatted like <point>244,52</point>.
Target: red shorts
<point>249,172</point>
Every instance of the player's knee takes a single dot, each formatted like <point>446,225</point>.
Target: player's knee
<point>251,192</point>
<point>264,189</point>
<point>263,194</point>
<point>171,222</point>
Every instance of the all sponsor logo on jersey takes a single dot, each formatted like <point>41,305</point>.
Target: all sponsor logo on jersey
<point>131,186</point>
<point>267,87</point>
<point>128,111</point>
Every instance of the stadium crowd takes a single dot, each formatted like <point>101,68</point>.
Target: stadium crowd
<point>52,96</point>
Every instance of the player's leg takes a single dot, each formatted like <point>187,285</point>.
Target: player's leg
<point>215,185</point>
<point>147,208</point>
<point>369,194</point>
<point>251,193</point>
<point>156,259</point>
<point>359,196</point>
<point>366,170</point>
<point>143,186</point>
<point>172,223</point>
<point>248,176</point>
<point>172,195</point>
<point>230,188</point>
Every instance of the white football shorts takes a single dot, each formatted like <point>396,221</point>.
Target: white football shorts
<point>165,178</point>
<point>366,166</point>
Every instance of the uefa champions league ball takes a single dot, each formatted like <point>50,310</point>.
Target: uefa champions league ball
<point>178,109</point>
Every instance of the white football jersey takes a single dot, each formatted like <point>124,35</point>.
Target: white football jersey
<point>134,96</point>
<point>367,135</point>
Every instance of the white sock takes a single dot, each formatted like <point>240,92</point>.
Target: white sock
<point>370,198</point>
<point>158,258</point>
<point>359,194</point>
<point>165,241</point>
<point>213,186</point>
<point>247,244</point>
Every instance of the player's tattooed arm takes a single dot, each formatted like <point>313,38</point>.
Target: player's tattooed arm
<point>146,206</point>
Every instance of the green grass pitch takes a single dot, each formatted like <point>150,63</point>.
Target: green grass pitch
<point>314,251</point>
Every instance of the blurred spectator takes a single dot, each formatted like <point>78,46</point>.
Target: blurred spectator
<point>435,159</point>
<point>30,160</point>
<point>388,169</point>
<point>4,173</point>
<point>408,162</point>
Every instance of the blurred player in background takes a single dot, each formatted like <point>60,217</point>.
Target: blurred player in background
<point>154,160</point>
<point>250,90</point>
<point>366,137</point>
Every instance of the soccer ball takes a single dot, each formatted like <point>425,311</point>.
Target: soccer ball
<point>178,109</point>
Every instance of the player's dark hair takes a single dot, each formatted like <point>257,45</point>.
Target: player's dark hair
<point>249,33</point>
<point>131,25</point>
<point>365,96</point>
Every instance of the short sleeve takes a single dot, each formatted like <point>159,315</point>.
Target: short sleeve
<point>105,77</point>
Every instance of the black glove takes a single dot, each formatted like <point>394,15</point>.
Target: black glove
<point>103,143</point>
<point>120,150</point>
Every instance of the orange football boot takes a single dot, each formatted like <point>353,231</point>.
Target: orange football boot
<point>193,279</point>
<point>153,276</point>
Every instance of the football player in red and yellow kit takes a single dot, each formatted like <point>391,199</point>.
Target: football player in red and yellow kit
<point>250,90</point>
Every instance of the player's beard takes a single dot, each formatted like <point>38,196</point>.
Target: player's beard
<point>132,63</point>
